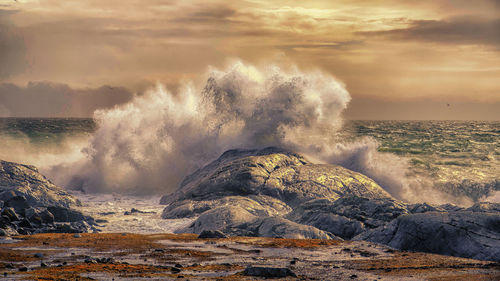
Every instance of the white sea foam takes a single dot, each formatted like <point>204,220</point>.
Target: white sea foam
<point>148,145</point>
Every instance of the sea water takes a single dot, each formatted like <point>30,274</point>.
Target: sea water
<point>460,158</point>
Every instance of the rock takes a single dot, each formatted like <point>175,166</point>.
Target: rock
<point>23,268</point>
<point>212,234</point>
<point>76,235</point>
<point>245,191</point>
<point>62,214</point>
<point>257,205</point>
<point>175,270</point>
<point>485,207</point>
<point>341,226</point>
<point>237,221</point>
<point>373,212</point>
<point>42,264</point>
<point>268,272</point>
<point>34,203</point>
<point>38,255</point>
<point>10,213</point>
<point>424,207</point>
<point>462,233</point>
<point>25,223</point>
<point>47,217</point>
<point>274,172</point>
<point>19,203</point>
<point>348,216</point>
<point>451,207</point>
<point>219,219</point>
<point>281,227</point>
<point>25,181</point>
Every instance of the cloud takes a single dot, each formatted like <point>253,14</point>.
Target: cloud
<point>44,99</point>
<point>12,48</point>
<point>461,30</point>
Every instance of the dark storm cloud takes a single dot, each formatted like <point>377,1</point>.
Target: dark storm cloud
<point>43,99</point>
<point>463,30</point>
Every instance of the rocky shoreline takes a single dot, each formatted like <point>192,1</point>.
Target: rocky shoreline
<point>128,256</point>
<point>273,192</point>
<point>30,204</point>
<point>268,193</point>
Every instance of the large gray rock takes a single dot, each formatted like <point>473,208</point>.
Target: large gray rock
<point>257,205</point>
<point>33,204</point>
<point>17,180</point>
<point>349,215</point>
<point>461,233</point>
<point>244,191</point>
<point>274,172</point>
<point>237,221</point>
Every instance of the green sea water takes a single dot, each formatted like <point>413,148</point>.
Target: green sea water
<point>460,157</point>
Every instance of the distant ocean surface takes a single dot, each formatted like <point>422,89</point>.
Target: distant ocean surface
<point>461,158</point>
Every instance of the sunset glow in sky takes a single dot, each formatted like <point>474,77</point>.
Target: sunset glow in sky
<point>398,59</point>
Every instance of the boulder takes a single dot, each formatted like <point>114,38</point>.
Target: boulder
<point>485,207</point>
<point>62,214</point>
<point>10,214</point>
<point>37,190</point>
<point>211,234</point>
<point>268,272</point>
<point>348,216</point>
<point>257,205</point>
<point>32,204</point>
<point>465,234</point>
<point>245,191</point>
<point>236,221</point>
<point>424,207</point>
<point>274,172</point>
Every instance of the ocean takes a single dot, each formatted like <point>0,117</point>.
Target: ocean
<point>461,158</point>
<point>458,158</point>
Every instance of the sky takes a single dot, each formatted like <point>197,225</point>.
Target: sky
<point>406,60</point>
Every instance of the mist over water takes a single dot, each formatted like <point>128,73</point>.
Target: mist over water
<point>150,144</point>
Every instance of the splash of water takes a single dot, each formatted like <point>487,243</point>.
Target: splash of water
<point>149,145</point>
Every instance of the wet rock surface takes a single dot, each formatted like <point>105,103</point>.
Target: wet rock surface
<point>244,191</point>
<point>276,193</point>
<point>32,204</point>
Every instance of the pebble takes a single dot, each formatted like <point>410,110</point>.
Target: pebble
<point>77,235</point>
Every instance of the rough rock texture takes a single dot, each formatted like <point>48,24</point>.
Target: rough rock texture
<point>25,180</point>
<point>276,193</point>
<point>461,233</point>
<point>237,221</point>
<point>348,216</point>
<point>274,172</point>
<point>249,192</point>
<point>32,204</point>
<point>258,205</point>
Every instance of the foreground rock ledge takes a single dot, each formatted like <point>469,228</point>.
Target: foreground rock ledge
<point>181,257</point>
<point>273,192</point>
<point>30,203</point>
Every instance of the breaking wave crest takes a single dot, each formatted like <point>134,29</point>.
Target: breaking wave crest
<point>151,143</point>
